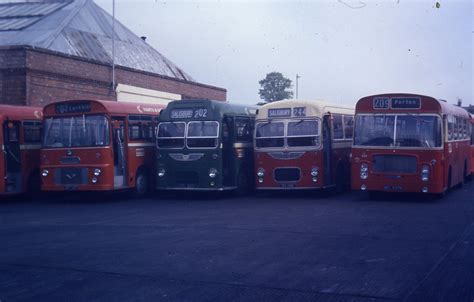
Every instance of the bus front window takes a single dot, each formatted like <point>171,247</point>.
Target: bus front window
<point>270,134</point>
<point>202,134</point>
<point>171,135</point>
<point>402,130</point>
<point>374,130</point>
<point>418,131</point>
<point>76,131</point>
<point>304,133</point>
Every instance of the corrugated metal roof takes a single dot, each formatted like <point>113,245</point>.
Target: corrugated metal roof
<point>16,16</point>
<point>19,9</point>
<point>80,28</point>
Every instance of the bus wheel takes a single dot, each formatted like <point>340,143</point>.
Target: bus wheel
<point>141,183</point>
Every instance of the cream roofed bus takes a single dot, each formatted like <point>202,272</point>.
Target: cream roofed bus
<point>302,145</point>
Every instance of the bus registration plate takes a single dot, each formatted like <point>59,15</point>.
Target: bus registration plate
<point>393,188</point>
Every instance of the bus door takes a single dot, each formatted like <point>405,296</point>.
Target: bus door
<point>11,149</point>
<point>118,128</point>
<point>327,150</point>
<point>228,161</point>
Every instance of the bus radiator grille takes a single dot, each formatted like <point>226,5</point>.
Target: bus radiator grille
<point>287,174</point>
<point>71,176</point>
<point>394,164</point>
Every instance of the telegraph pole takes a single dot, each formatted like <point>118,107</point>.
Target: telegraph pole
<point>297,77</point>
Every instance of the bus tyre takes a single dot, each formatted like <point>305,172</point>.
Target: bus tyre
<point>141,183</point>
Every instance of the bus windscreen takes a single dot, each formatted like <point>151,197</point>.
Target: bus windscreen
<point>304,133</point>
<point>202,134</point>
<point>76,131</point>
<point>270,134</point>
<point>171,135</point>
<point>403,130</point>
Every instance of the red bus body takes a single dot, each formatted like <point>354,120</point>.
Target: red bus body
<point>20,137</point>
<point>121,148</point>
<point>297,158</point>
<point>429,153</point>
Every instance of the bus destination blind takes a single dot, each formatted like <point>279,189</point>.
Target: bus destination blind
<point>287,112</point>
<point>73,107</point>
<point>406,103</point>
<point>188,113</point>
<point>396,103</point>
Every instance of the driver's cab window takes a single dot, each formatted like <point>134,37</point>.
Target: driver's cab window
<point>13,133</point>
<point>337,127</point>
<point>243,129</point>
<point>226,129</point>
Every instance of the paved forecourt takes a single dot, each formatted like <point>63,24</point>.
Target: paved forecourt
<point>272,247</point>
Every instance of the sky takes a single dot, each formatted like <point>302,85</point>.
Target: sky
<point>342,50</point>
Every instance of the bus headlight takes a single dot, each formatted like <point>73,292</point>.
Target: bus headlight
<point>315,172</point>
<point>94,180</point>
<point>97,172</point>
<point>161,172</point>
<point>212,173</point>
<point>364,171</point>
<point>44,173</point>
<point>260,172</point>
<point>425,173</point>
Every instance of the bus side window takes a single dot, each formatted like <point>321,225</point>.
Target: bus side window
<point>32,131</point>
<point>464,128</point>
<point>147,131</point>
<point>450,127</point>
<point>337,126</point>
<point>348,126</point>
<point>456,128</point>
<point>243,130</point>
<point>472,134</point>
<point>140,127</point>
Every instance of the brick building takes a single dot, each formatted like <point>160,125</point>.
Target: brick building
<point>55,49</point>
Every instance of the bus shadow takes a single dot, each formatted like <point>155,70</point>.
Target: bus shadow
<point>187,195</point>
<point>300,194</point>
<point>400,197</point>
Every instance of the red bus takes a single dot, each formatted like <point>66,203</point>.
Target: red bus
<point>93,145</point>
<point>302,145</point>
<point>21,142</point>
<point>409,143</point>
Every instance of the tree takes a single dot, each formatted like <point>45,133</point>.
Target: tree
<point>275,87</point>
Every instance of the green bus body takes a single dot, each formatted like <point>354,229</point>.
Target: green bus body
<point>205,145</point>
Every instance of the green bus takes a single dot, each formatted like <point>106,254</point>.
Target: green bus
<point>205,145</point>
